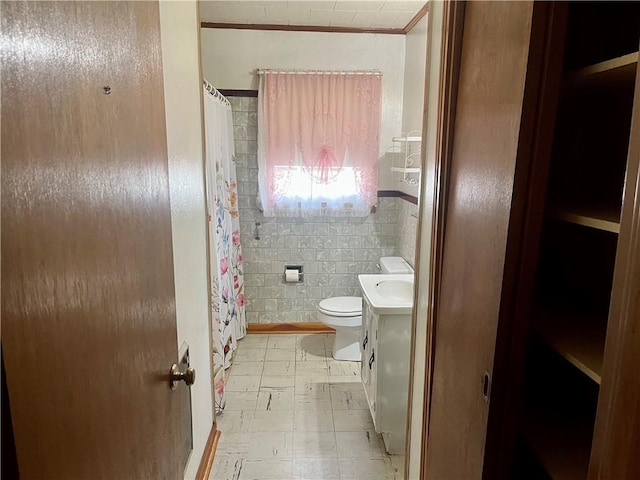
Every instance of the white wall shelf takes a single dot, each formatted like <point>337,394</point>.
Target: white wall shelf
<point>406,157</point>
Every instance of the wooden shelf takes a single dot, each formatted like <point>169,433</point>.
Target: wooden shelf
<point>561,444</point>
<point>577,338</point>
<point>607,73</point>
<point>598,217</point>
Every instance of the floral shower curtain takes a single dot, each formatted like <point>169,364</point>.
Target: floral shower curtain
<point>227,283</point>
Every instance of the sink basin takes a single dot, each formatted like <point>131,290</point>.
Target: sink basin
<point>401,290</point>
<point>388,294</point>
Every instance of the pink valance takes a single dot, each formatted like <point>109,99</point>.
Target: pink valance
<point>321,122</point>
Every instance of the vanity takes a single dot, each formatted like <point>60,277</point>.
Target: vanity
<point>387,303</point>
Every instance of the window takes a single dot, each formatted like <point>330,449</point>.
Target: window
<point>318,144</point>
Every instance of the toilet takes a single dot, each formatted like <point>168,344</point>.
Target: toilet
<point>344,314</point>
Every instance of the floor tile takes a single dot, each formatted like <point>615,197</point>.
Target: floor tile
<point>272,421</point>
<point>266,469</point>
<point>235,422</point>
<point>340,368</point>
<point>269,381</point>
<point>311,401</point>
<point>250,355</point>
<point>328,341</point>
<point>277,355</point>
<point>233,444</point>
<point>271,445</point>
<point>253,341</point>
<point>313,421</point>
<point>239,383</point>
<point>310,341</point>
<point>226,468</point>
<point>365,469</point>
<point>279,368</point>
<point>275,400</point>
<point>282,342</point>
<point>397,465</point>
<point>312,355</point>
<point>348,400</point>
<point>359,445</point>
<point>352,420</point>
<point>311,383</point>
<point>352,379</point>
<point>320,468</point>
<point>241,401</point>
<point>246,368</point>
<point>307,369</point>
<point>314,444</point>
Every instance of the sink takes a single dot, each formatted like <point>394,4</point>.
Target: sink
<point>388,294</point>
<point>401,290</point>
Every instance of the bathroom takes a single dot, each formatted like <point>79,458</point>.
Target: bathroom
<point>332,250</point>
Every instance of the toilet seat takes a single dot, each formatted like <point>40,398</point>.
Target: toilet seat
<point>341,306</point>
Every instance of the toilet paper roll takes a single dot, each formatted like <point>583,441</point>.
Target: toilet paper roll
<point>291,276</point>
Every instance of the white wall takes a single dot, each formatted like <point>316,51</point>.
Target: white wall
<point>182,89</point>
<point>413,94</point>
<point>424,248</point>
<point>231,58</point>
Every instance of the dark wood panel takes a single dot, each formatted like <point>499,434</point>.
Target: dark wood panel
<point>88,307</point>
<point>617,432</point>
<point>487,125</point>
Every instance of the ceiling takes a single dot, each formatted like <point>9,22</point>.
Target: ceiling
<point>361,14</point>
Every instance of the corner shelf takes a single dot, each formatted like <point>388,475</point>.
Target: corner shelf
<point>407,148</point>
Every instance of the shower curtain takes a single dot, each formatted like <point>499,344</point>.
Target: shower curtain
<point>225,252</point>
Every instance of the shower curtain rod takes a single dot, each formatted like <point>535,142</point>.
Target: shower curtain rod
<point>213,91</point>
<point>262,71</point>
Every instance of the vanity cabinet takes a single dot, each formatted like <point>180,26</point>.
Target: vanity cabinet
<point>385,349</point>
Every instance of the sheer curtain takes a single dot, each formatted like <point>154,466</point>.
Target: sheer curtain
<point>318,143</point>
<point>225,251</point>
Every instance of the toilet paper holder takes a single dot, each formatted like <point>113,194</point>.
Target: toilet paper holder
<point>300,270</point>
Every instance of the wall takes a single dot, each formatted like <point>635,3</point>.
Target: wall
<point>407,226</point>
<point>413,92</point>
<point>231,57</point>
<point>423,277</point>
<point>181,64</point>
<point>333,250</point>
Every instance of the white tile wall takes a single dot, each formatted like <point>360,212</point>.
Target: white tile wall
<point>333,251</point>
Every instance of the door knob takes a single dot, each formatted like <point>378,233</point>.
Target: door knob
<point>175,375</point>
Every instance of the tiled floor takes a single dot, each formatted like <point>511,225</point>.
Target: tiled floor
<point>293,412</point>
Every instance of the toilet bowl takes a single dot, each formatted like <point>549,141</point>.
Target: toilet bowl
<point>344,314</point>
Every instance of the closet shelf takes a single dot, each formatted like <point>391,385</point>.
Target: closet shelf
<point>577,338</point>
<point>561,444</point>
<point>607,73</point>
<point>598,217</point>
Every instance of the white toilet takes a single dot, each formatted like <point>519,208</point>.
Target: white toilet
<point>344,314</point>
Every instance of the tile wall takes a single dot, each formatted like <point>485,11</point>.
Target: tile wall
<point>407,230</point>
<point>333,251</point>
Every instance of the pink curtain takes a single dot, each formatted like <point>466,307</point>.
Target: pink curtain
<point>321,122</point>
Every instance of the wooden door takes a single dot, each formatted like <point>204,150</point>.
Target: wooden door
<point>88,307</point>
<point>493,68</point>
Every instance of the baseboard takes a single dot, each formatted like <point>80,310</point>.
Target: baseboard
<point>272,328</point>
<point>204,469</point>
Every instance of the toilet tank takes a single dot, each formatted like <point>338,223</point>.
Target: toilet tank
<point>395,265</point>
